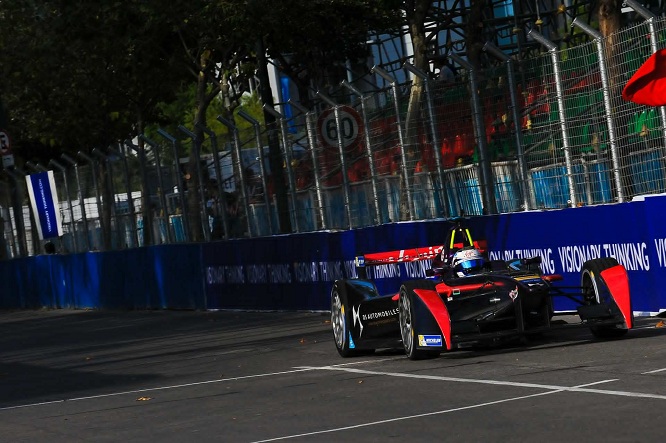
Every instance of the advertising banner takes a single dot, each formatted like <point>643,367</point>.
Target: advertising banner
<point>44,202</point>
<point>298,271</point>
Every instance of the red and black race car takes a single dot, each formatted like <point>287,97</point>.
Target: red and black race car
<point>467,299</point>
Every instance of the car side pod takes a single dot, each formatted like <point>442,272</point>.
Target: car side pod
<point>617,281</point>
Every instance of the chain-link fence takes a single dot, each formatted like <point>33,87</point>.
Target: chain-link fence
<point>545,133</point>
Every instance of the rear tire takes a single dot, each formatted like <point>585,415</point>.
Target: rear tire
<point>407,319</point>
<point>593,285</point>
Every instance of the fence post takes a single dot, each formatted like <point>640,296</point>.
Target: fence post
<point>98,200</point>
<point>433,131</point>
<point>368,151</point>
<point>82,204</point>
<point>147,223</point>
<point>196,145</point>
<point>8,219</point>
<point>108,191</point>
<point>607,103</point>
<point>18,211</point>
<point>34,217</point>
<point>288,157</point>
<point>241,173</point>
<point>160,182</point>
<point>63,171</point>
<point>515,116</point>
<point>341,153</point>
<point>218,173</point>
<point>485,171</point>
<point>405,170</point>
<point>128,189</point>
<point>555,58</point>
<point>104,158</point>
<point>262,166</point>
<point>312,143</point>
<point>179,180</point>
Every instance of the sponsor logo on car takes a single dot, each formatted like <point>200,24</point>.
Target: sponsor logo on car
<point>430,340</point>
<point>513,294</point>
<point>372,318</point>
<point>380,314</point>
<point>357,319</point>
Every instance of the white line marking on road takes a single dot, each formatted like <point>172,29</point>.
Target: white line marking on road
<point>655,371</point>
<point>497,382</point>
<point>427,414</point>
<point>185,385</point>
<point>160,388</point>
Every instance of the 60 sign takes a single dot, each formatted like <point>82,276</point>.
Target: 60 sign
<point>350,127</point>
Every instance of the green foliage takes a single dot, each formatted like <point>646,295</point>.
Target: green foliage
<point>77,77</point>
<point>312,40</point>
<point>80,77</point>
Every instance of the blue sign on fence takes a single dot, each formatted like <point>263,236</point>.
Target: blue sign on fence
<point>44,202</point>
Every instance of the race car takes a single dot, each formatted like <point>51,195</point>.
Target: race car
<point>466,299</point>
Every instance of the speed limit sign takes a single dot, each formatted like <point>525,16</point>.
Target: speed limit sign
<point>351,127</point>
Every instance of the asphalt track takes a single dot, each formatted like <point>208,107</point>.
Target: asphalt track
<point>164,376</point>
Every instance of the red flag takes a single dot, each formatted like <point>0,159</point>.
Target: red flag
<point>648,85</point>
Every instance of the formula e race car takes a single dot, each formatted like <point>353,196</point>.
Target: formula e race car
<point>466,300</point>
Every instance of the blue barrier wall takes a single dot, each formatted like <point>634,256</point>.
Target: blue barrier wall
<point>158,277</point>
<point>296,272</point>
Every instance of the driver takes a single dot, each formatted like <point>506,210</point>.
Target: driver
<point>467,261</point>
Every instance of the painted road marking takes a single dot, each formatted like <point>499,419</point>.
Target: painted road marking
<point>185,385</point>
<point>655,371</point>
<point>495,382</point>
<point>427,414</point>
<point>159,388</point>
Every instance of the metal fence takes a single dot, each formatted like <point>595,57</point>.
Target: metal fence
<point>545,133</point>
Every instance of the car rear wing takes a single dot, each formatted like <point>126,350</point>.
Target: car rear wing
<point>395,257</point>
<point>414,254</point>
<point>398,256</point>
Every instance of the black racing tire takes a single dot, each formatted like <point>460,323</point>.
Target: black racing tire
<point>592,283</point>
<point>340,318</point>
<point>407,319</point>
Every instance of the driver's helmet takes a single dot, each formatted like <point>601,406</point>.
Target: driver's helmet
<point>467,261</point>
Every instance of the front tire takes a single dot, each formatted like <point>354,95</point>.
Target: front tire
<point>593,285</point>
<point>340,321</point>
<point>407,319</point>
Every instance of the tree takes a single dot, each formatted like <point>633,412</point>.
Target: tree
<point>212,43</point>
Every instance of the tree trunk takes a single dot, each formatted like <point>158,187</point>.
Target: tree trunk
<point>416,15</point>
<point>192,182</point>
<point>146,212</point>
<point>474,33</point>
